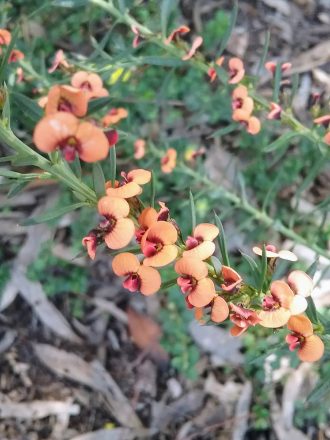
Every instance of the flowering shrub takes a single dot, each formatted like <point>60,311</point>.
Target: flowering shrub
<point>74,123</point>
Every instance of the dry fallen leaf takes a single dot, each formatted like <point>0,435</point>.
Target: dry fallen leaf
<point>146,334</point>
<point>92,375</point>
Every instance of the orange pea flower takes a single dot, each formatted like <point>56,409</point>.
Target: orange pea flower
<point>65,132</point>
<point>5,37</point>
<point>137,36</point>
<point>326,138</point>
<point>90,243</point>
<point>59,61</point>
<point>168,162</point>
<point>119,230</point>
<point>219,310</point>
<point>231,278</point>
<point>300,283</point>
<point>212,73</point>
<point>275,111</point>
<point>15,55</point>
<point>236,70</point>
<point>158,244</point>
<point>191,154</point>
<point>194,281</point>
<point>280,305</point>
<point>139,148</point>
<point>271,66</point>
<point>198,41</point>
<point>141,278</point>
<point>241,100</point>
<point>200,244</point>
<point>114,116</point>
<point>66,99</point>
<point>251,123</point>
<point>131,184</point>
<point>112,136</point>
<point>310,347</point>
<point>271,252</point>
<point>19,75</point>
<point>323,120</point>
<point>148,217</point>
<point>90,83</point>
<point>242,318</point>
<point>181,30</point>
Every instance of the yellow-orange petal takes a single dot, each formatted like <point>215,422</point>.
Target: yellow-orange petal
<point>326,138</point>
<point>79,78</point>
<point>237,331</point>
<point>202,251</point>
<point>192,267</point>
<point>163,231</point>
<point>220,310</point>
<point>206,231</point>
<point>5,37</point>
<point>300,283</point>
<point>298,305</point>
<point>139,148</point>
<point>274,318</point>
<point>53,129</point>
<point>197,42</point>
<point>147,217</point>
<point>300,324</point>
<point>269,254</point>
<point>240,92</point>
<point>150,280</point>
<point>125,263</point>
<point>139,176</point>
<point>75,97</point>
<point>130,189</point>
<point>94,143</point>
<point>240,115</point>
<point>203,293</point>
<point>164,257</point>
<point>113,206</point>
<point>287,255</point>
<point>121,234</point>
<point>312,349</point>
<point>281,291</point>
<point>199,314</point>
<point>254,125</point>
<point>236,65</point>
<point>248,105</point>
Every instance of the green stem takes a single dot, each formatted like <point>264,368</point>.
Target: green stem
<point>198,61</point>
<point>258,215</point>
<point>59,171</point>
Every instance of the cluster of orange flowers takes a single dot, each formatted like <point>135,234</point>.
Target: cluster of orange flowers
<point>214,294</point>
<point>5,39</point>
<point>64,125</point>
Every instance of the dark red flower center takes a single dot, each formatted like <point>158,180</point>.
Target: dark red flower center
<point>86,85</point>
<point>270,303</point>
<point>237,103</point>
<point>187,283</point>
<point>108,224</point>
<point>152,247</point>
<point>193,242</point>
<point>294,340</point>
<point>132,282</point>
<point>65,106</point>
<point>69,147</point>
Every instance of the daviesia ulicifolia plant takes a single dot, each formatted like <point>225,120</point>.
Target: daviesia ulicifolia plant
<point>146,238</point>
